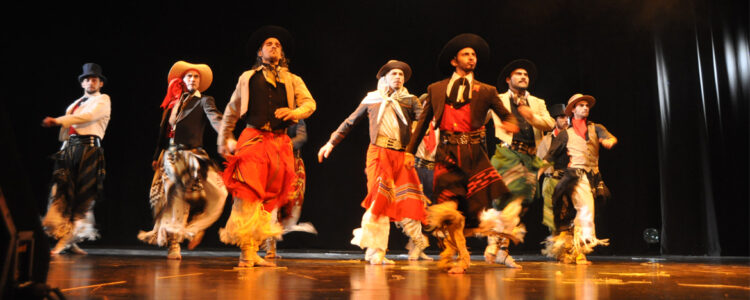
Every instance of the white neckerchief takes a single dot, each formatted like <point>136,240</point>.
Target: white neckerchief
<point>469,77</point>
<point>381,96</point>
<point>525,97</point>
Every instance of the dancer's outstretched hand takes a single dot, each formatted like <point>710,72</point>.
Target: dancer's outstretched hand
<point>324,151</point>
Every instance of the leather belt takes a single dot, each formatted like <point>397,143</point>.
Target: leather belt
<point>91,140</point>
<point>389,143</point>
<point>423,163</point>
<point>520,147</point>
<point>463,138</point>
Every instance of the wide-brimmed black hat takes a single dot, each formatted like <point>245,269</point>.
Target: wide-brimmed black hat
<point>395,64</point>
<point>91,69</point>
<point>464,40</point>
<point>269,31</point>
<point>557,110</point>
<point>522,63</point>
<point>578,98</point>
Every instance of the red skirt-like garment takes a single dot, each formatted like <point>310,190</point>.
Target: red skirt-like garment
<point>262,168</point>
<point>393,189</point>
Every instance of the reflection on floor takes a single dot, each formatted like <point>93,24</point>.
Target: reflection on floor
<point>146,274</point>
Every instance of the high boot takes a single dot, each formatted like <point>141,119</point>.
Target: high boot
<point>174,249</point>
<point>62,244</point>
<point>249,257</point>
<point>270,245</point>
<point>503,257</point>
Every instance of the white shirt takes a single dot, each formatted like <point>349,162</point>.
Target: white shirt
<point>389,124</point>
<point>460,96</point>
<point>90,118</point>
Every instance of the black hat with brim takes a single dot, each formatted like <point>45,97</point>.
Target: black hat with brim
<point>522,63</point>
<point>270,31</point>
<point>91,69</point>
<point>395,64</point>
<point>557,110</point>
<point>461,41</point>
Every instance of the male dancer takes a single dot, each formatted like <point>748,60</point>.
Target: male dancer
<point>187,193</point>
<point>289,214</point>
<point>465,182</point>
<point>515,157</point>
<point>393,189</point>
<point>260,165</point>
<point>78,177</point>
<point>573,199</point>
<point>553,175</point>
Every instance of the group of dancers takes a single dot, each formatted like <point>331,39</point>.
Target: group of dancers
<point>428,165</point>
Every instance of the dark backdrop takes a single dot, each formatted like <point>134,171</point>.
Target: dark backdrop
<point>683,172</point>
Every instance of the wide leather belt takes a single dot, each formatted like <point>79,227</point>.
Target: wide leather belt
<point>520,147</point>
<point>91,140</point>
<point>389,143</point>
<point>463,138</point>
<point>423,163</point>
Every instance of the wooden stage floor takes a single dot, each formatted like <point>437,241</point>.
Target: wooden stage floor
<point>146,274</point>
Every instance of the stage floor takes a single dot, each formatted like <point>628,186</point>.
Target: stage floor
<point>146,274</point>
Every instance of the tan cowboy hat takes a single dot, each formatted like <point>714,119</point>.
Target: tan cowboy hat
<point>395,64</point>
<point>578,98</point>
<point>179,68</point>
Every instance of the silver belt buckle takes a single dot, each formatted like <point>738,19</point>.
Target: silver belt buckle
<point>463,139</point>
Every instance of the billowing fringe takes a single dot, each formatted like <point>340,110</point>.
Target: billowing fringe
<point>248,224</point>
<point>442,214</point>
<point>585,244</point>
<point>300,227</point>
<point>84,229</point>
<point>506,223</point>
<point>58,227</point>
<point>566,247</point>
<point>373,233</point>
<point>560,247</point>
<point>161,235</point>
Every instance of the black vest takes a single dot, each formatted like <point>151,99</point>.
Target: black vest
<point>525,133</point>
<point>264,100</point>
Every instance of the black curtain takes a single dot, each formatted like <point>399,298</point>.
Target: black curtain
<point>703,78</point>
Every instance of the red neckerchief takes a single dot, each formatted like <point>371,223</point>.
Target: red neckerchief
<point>71,130</point>
<point>579,126</point>
<point>174,91</point>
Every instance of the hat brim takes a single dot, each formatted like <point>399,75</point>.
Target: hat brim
<point>522,63</point>
<point>270,31</point>
<point>572,103</point>
<point>83,76</point>
<point>179,68</point>
<point>395,64</point>
<point>461,41</point>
